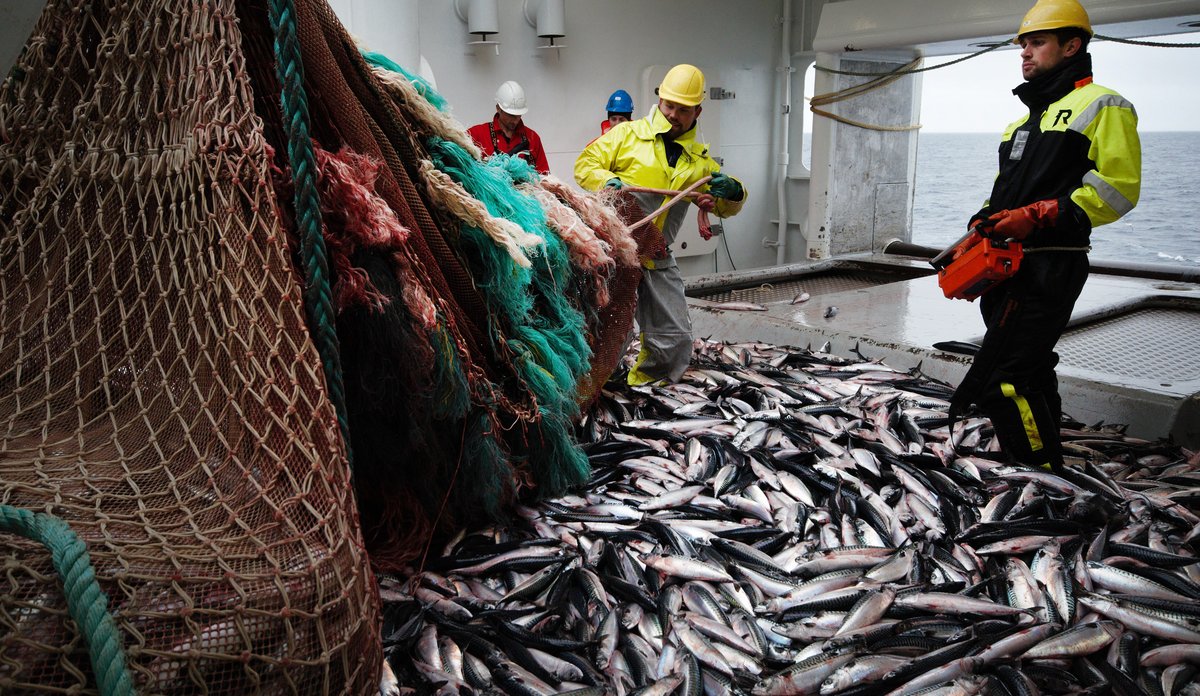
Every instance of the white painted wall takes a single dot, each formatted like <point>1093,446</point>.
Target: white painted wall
<point>610,44</point>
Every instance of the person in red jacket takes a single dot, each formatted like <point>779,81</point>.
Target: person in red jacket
<point>507,133</point>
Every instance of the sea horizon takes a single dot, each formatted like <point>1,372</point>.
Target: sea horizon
<point>955,170</point>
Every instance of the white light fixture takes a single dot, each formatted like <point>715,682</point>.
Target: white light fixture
<point>550,22</point>
<point>483,20</point>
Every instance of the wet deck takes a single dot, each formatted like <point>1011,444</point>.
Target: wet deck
<point>1129,356</point>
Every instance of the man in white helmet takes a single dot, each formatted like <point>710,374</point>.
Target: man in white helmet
<point>661,152</point>
<point>507,133</point>
<point>1072,163</point>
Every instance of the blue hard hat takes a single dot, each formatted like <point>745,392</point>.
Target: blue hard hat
<point>620,102</point>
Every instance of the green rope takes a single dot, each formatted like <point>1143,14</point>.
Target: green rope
<point>86,602</point>
<point>318,296</point>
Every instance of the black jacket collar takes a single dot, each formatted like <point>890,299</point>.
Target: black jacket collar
<point>1051,86</point>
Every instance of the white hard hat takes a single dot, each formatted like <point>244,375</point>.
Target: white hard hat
<point>511,99</point>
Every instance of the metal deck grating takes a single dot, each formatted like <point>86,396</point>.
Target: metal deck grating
<point>1155,344</point>
<point>816,284</point>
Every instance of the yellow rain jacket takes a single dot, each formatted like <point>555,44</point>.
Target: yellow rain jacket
<point>633,153</point>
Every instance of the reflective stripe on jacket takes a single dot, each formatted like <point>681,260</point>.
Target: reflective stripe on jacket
<point>1078,143</point>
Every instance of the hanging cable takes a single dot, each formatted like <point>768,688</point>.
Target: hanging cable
<point>728,255</point>
<point>901,72</point>
<point>883,80</point>
<point>989,49</point>
<point>1152,44</point>
<point>887,77</point>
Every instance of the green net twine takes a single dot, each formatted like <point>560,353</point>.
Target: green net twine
<point>423,87</point>
<point>487,479</point>
<point>451,393</point>
<point>557,464</point>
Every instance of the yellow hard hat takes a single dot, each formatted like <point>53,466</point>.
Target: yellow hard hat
<point>1048,15</point>
<point>683,84</point>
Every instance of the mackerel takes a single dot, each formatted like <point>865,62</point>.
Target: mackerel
<point>671,499</point>
<point>1171,655</point>
<point>1077,641</point>
<point>1050,571</point>
<point>943,602</point>
<point>1138,620</point>
<point>701,649</point>
<point>835,580</point>
<point>869,609</point>
<point>803,678</point>
<point>948,672</point>
<point>1125,582</point>
<point>862,669</point>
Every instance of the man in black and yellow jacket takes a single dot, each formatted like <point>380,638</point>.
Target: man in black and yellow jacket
<point>1071,164</point>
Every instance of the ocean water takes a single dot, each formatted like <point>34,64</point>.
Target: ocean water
<point>955,173</point>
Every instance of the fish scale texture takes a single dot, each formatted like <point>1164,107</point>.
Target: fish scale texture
<point>789,521</point>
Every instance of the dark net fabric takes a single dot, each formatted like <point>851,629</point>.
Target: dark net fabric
<point>614,322</point>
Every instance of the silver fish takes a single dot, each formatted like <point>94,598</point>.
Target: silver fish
<point>1077,641</point>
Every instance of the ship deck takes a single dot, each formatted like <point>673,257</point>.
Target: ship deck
<point>1129,355</point>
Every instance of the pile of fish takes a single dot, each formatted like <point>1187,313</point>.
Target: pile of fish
<point>786,521</point>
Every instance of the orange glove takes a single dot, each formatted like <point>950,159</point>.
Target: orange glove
<point>1019,223</point>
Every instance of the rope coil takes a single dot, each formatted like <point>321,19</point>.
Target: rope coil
<point>858,90</point>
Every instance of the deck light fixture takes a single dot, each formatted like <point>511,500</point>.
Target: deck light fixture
<point>483,20</point>
<point>550,20</point>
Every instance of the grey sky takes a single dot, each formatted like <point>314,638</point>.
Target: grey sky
<point>975,96</point>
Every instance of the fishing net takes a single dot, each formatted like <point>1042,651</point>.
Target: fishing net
<point>160,393</point>
<point>170,393</point>
<point>615,320</point>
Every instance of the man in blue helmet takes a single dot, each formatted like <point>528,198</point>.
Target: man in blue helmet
<point>619,108</point>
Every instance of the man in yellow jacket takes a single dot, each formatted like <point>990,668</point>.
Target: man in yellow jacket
<point>661,152</point>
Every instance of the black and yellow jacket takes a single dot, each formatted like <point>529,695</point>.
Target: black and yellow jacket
<point>1079,144</point>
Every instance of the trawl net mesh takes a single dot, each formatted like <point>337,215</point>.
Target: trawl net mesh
<point>159,389</point>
